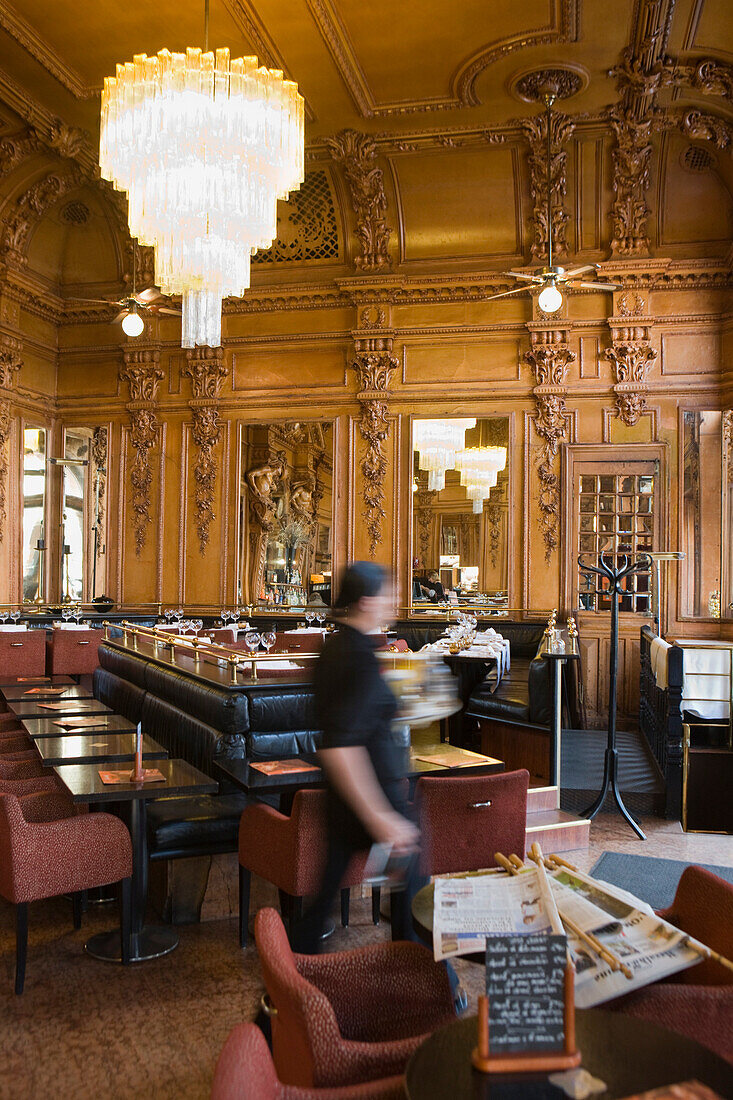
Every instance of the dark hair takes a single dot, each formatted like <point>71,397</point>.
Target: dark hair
<point>361,578</point>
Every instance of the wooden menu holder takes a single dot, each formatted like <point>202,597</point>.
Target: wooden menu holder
<point>542,1062</point>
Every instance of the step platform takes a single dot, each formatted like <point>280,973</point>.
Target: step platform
<point>554,830</point>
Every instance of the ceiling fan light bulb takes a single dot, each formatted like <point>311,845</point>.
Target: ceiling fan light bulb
<point>132,324</point>
<point>550,299</point>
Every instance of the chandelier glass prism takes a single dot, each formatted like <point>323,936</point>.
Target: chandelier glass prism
<point>479,468</point>
<point>436,442</point>
<point>204,145</point>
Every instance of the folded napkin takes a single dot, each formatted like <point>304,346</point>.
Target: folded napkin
<point>658,657</point>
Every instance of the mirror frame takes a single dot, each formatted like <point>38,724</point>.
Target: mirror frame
<point>725,515</point>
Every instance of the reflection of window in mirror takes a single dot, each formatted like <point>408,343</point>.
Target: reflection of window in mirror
<point>75,527</point>
<point>34,500</point>
<point>460,504</point>
<point>286,513</point>
<point>701,514</point>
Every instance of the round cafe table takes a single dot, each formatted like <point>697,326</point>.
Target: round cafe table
<point>628,1054</point>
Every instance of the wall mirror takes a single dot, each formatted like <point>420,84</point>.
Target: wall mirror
<point>702,513</point>
<point>83,508</point>
<point>460,495</point>
<point>34,506</point>
<point>286,513</point>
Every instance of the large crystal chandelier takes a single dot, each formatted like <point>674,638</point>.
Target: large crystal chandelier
<point>436,442</point>
<point>479,468</point>
<point>204,146</point>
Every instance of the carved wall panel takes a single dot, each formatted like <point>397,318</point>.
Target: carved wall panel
<point>357,155</point>
<point>207,371</point>
<point>561,130</point>
<point>142,374</point>
<point>10,363</point>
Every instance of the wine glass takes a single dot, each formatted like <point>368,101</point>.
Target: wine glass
<point>268,639</point>
<point>4,615</point>
<point>78,612</point>
<point>309,617</point>
<point>252,641</point>
<point>15,616</point>
<point>320,618</point>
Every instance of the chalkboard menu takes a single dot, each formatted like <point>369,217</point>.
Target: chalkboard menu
<point>525,985</point>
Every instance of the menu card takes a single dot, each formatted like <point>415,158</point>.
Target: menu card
<point>283,767</point>
<point>34,679</point>
<point>83,703</point>
<point>152,775</point>
<point>95,721</point>
<point>46,691</point>
<point>525,985</point>
<point>452,758</point>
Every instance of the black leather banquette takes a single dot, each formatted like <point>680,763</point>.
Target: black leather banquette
<point>202,723</point>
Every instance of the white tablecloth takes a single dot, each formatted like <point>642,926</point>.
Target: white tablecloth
<point>706,683</point>
<point>6,626</point>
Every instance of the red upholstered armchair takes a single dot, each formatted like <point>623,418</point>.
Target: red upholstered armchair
<point>245,1071</point>
<point>698,1002</point>
<point>289,851</point>
<point>74,652</point>
<point>349,1016</point>
<point>65,856</point>
<point>22,653</point>
<point>464,820</point>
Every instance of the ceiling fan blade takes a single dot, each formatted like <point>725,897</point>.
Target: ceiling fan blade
<point>507,293</point>
<point>151,294</point>
<point>120,315</point>
<point>521,275</point>
<point>597,286</point>
<point>579,271</point>
<point>168,312</point>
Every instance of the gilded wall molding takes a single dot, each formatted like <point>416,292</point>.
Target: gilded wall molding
<point>561,130</point>
<point>207,371</point>
<point>374,365</point>
<point>707,75</point>
<point>549,357</point>
<point>15,148</point>
<point>142,374</point>
<point>702,126</point>
<point>30,207</point>
<point>11,360</point>
<point>728,443</point>
<point>356,153</point>
<point>494,513</point>
<point>41,51</point>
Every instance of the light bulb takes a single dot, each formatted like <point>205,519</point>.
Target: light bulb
<point>550,299</point>
<point>132,324</point>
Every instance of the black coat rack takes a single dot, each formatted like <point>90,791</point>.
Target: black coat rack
<point>610,767</point>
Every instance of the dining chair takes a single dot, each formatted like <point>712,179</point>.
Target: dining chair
<point>245,1071</point>
<point>23,653</point>
<point>348,1016</point>
<point>63,856</point>
<point>464,820</point>
<point>697,1002</point>
<point>74,652</point>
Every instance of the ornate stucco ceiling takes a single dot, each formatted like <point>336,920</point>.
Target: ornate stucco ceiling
<point>439,99</point>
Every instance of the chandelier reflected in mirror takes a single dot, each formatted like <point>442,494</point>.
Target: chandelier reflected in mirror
<point>204,146</point>
<point>436,442</point>
<point>479,468</point>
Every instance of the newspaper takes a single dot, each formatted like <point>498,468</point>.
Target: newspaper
<point>650,947</point>
<point>467,910</point>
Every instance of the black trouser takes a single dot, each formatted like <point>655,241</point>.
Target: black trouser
<point>306,935</point>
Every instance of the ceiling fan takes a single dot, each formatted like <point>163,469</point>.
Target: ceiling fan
<point>552,277</point>
<point>136,305</point>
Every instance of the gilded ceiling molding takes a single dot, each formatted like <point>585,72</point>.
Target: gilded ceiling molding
<point>700,126</point>
<point>356,153</point>
<point>41,51</point>
<point>11,360</point>
<point>16,148</point>
<point>374,365</point>
<point>631,357</point>
<point>207,371</point>
<point>48,126</point>
<point>30,208</point>
<point>535,130</point>
<point>549,357</point>
<point>709,76</point>
<point>142,374</point>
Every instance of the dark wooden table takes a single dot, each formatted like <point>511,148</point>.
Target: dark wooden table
<point>628,1054</point>
<point>26,709</point>
<point>96,748</point>
<point>470,672</point>
<point>44,693</point>
<point>47,727</point>
<point>257,783</point>
<point>33,681</point>
<point>181,780</point>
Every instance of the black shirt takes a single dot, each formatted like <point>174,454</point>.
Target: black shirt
<point>354,706</point>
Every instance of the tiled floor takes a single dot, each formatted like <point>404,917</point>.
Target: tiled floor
<point>88,1029</point>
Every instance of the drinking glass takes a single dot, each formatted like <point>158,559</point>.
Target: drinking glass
<point>66,614</point>
<point>198,625</point>
<point>78,613</point>
<point>252,641</point>
<point>309,617</point>
<point>15,617</point>
<point>268,639</point>
<point>4,615</point>
<point>320,618</point>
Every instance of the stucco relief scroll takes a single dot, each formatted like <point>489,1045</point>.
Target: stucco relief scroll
<point>142,374</point>
<point>549,358</point>
<point>10,363</point>
<point>207,371</point>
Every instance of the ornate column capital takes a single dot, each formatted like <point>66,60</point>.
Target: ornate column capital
<point>631,356</point>
<point>207,370</point>
<point>142,373</point>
